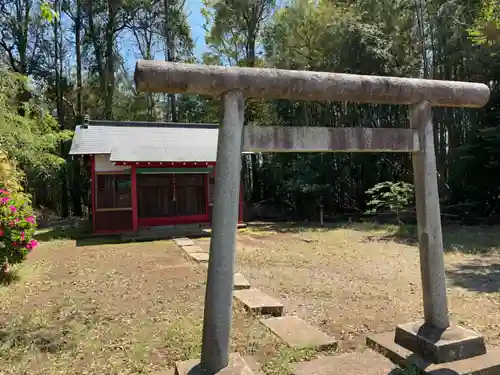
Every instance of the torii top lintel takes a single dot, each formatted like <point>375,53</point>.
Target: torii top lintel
<point>169,77</point>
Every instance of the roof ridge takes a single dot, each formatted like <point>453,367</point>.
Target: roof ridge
<point>150,124</point>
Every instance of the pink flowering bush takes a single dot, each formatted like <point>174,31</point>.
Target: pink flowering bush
<point>17,228</point>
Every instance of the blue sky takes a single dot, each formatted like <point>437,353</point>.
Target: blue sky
<point>195,19</point>
<point>196,22</point>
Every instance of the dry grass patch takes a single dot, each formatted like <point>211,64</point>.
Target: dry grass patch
<point>110,309</point>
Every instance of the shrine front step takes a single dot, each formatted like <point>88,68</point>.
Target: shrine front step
<point>299,334</point>
<point>183,241</point>
<point>358,363</point>
<point>258,302</point>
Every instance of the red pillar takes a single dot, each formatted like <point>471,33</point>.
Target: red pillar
<point>207,181</point>
<point>92,189</point>
<point>135,213</point>
<point>240,216</point>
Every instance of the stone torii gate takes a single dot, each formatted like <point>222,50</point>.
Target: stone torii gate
<point>434,339</point>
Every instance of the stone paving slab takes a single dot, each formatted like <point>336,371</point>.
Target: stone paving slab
<point>258,302</point>
<point>205,245</point>
<point>240,282</point>
<point>183,241</point>
<point>358,363</point>
<point>486,364</point>
<point>193,249</point>
<point>199,257</point>
<point>237,366</point>
<point>299,334</point>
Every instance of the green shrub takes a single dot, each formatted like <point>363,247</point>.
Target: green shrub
<point>17,228</point>
<point>391,196</point>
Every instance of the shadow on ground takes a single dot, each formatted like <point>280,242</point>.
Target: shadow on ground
<point>62,232</point>
<point>483,278</point>
<point>80,234</point>
<point>9,277</point>
<point>462,239</point>
<point>291,227</point>
<point>83,236</point>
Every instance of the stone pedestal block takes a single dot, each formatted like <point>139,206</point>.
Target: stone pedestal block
<point>485,364</point>
<point>438,345</point>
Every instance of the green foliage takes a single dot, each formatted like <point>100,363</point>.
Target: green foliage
<point>388,195</point>
<point>233,27</point>
<point>338,37</point>
<point>477,183</point>
<point>486,28</point>
<point>48,13</point>
<point>10,176</point>
<point>17,227</point>
<point>30,140</point>
<point>383,37</point>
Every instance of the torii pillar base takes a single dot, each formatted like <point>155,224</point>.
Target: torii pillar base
<point>236,366</point>
<point>487,363</point>
<point>437,345</point>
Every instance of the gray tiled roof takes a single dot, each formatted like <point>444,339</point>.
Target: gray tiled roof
<point>134,141</point>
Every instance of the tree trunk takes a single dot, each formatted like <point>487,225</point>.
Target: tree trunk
<point>76,185</point>
<point>95,37</point>
<point>60,109</point>
<point>78,52</point>
<point>110,63</point>
<point>170,53</point>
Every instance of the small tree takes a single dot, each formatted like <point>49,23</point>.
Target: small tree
<point>391,196</point>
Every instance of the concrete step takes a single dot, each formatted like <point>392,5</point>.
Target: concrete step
<point>183,241</point>
<point>358,363</point>
<point>167,232</point>
<point>240,282</point>
<point>299,334</point>
<point>178,227</point>
<point>486,364</point>
<point>193,249</point>
<point>198,257</point>
<point>258,302</point>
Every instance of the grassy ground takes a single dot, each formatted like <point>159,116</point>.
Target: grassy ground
<point>109,309</point>
<point>137,308</point>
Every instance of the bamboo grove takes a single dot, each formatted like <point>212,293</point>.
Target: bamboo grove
<point>62,60</point>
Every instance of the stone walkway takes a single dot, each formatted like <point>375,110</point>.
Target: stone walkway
<point>291,330</point>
